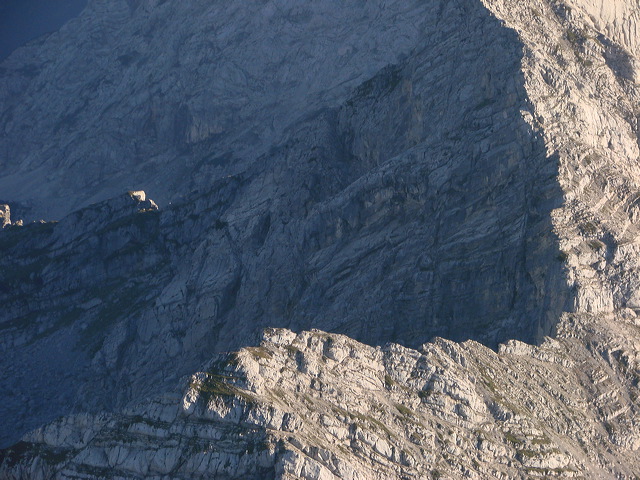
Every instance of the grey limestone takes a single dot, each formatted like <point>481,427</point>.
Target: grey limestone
<point>385,171</point>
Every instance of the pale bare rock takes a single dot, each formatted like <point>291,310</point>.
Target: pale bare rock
<point>322,406</point>
<point>5,215</point>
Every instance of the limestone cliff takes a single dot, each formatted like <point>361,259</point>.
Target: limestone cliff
<point>392,171</point>
<point>322,406</point>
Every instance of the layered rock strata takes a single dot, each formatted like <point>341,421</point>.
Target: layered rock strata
<point>398,206</point>
<point>457,168</point>
<point>322,406</point>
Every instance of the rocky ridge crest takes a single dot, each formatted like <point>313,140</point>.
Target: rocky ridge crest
<point>322,406</point>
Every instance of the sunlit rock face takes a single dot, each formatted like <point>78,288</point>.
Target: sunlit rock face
<point>618,20</point>
<point>392,171</point>
<point>323,406</point>
<point>5,215</point>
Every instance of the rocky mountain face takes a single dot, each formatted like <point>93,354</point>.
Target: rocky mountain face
<point>391,171</point>
<point>323,406</point>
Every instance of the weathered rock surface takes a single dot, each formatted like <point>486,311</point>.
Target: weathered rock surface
<point>5,215</point>
<point>169,96</point>
<point>322,406</point>
<point>405,194</point>
<point>392,171</point>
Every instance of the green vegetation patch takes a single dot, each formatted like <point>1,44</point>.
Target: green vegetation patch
<point>427,392</point>
<point>292,349</point>
<point>595,245</point>
<point>589,228</point>
<point>388,381</point>
<point>510,437</point>
<point>544,440</point>
<point>217,385</point>
<point>363,420</point>
<point>404,410</point>
<point>550,471</point>
<point>525,453</point>
<point>259,352</point>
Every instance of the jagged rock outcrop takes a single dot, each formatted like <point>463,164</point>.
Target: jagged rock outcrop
<point>322,406</point>
<point>409,169</point>
<point>5,216</point>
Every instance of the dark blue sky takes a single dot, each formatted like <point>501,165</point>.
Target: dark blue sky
<point>24,20</point>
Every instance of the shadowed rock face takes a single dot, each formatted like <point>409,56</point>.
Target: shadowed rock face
<point>399,193</point>
<point>167,113</point>
<point>410,199</point>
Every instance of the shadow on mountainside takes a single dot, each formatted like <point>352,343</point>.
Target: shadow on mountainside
<point>420,207</point>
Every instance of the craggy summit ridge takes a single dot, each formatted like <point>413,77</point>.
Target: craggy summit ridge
<point>476,181</point>
<point>322,406</point>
